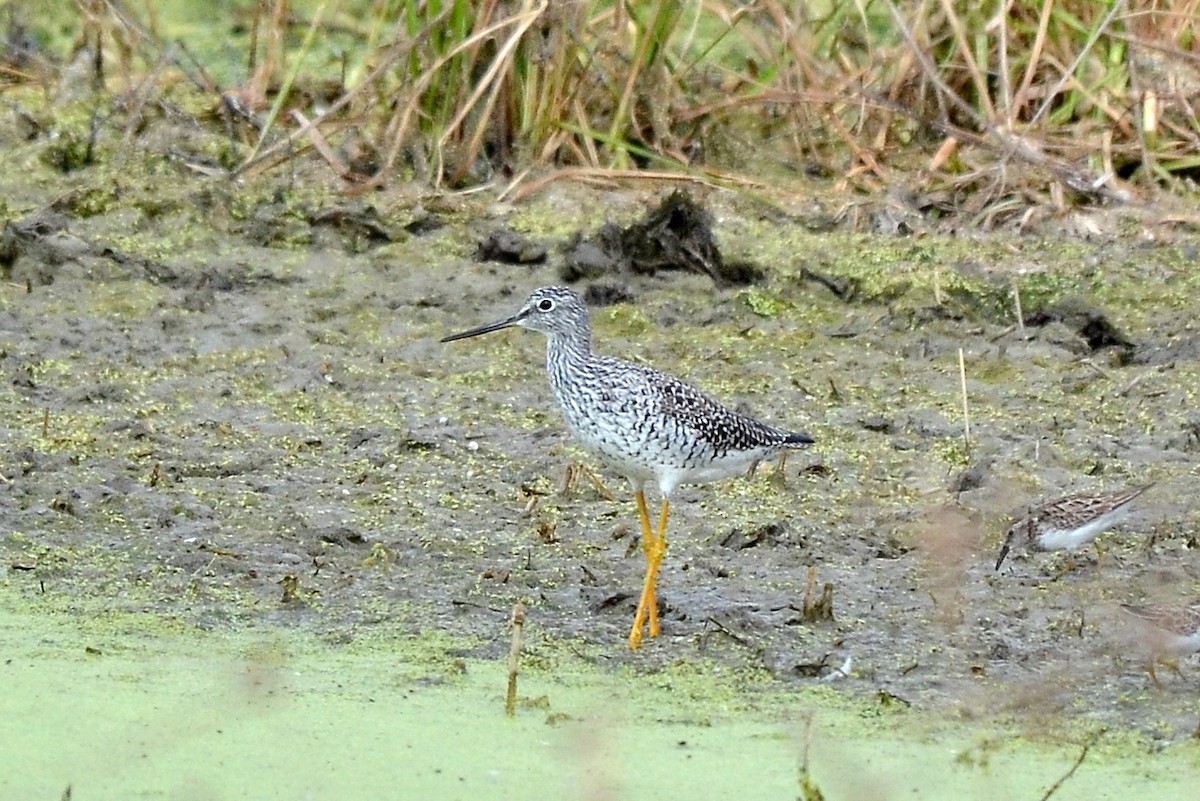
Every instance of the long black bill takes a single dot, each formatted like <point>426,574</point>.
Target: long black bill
<point>1003,553</point>
<point>485,329</point>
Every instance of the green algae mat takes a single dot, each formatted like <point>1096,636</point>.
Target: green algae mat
<point>125,705</point>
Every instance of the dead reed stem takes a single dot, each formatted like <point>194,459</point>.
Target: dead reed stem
<point>1016,288</point>
<point>514,659</point>
<point>962,378</point>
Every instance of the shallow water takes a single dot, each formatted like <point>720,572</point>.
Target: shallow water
<point>114,706</point>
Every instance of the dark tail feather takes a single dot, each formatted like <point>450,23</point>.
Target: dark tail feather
<point>799,438</point>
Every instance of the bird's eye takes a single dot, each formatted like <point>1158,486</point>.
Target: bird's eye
<point>546,305</point>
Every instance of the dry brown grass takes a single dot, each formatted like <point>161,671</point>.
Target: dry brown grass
<point>983,111</point>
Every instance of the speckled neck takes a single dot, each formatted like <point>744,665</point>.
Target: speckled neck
<point>567,353</point>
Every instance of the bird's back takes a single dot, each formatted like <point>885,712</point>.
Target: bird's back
<point>648,424</point>
<point>1181,620</point>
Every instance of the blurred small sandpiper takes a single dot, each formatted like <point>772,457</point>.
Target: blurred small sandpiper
<point>1069,523</point>
<point>1171,632</point>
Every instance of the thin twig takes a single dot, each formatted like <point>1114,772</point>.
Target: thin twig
<point>1097,368</point>
<point>281,97</point>
<point>730,633</point>
<point>1016,287</point>
<point>1125,390</point>
<point>1050,96</point>
<point>522,22</point>
<point>1078,761</point>
<point>932,73</point>
<point>711,178</point>
<point>321,145</point>
<point>1002,334</point>
<point>514,659</point>
<point>1035,57</point>
<point>1006,96</point>
<point>142,94</point>
<point>962,378</point>
<point>286,142</point>
<point>396,133</point>
<point>808,788</point>
<point>963,42</point>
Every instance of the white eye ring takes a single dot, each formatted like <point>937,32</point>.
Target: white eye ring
<point>545,305</point>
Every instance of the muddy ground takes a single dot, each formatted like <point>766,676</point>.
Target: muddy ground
<point>226,404</point>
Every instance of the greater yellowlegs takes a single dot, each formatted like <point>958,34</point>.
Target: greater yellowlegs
<point>1069,523</point>
<point>647,425</point>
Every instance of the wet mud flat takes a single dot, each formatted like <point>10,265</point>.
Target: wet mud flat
<point>248,421</point>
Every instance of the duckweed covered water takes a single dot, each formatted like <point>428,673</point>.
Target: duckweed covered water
<point>116,707</point>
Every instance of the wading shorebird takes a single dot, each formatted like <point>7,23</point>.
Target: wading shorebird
<point>1069,523</point>
<point>646,425</point>
<point>1171,632</point>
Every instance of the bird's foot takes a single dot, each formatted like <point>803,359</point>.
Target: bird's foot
<point>579,470</point>
<point>645,618</point>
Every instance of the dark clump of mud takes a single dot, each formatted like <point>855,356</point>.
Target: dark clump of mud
<point>675,235</point>
<point>508,247</point>
<point>1089,323</point>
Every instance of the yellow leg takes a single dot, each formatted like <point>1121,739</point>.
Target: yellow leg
<point>1067,566</point>
<point>655,546</point>
<point>1153,675</point>
<point>644,615</point>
